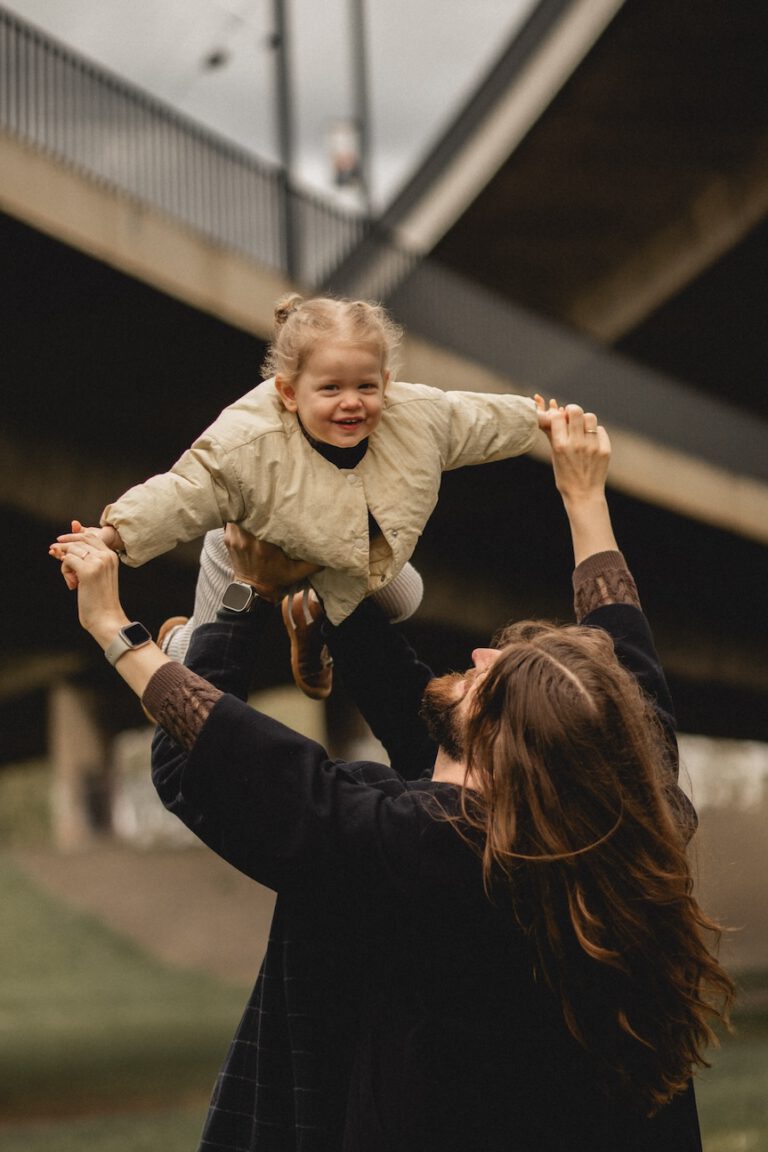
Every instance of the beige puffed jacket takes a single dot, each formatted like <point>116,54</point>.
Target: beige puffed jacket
<point>254,466</point>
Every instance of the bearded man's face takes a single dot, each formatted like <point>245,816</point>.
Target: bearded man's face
<point>441,710</point>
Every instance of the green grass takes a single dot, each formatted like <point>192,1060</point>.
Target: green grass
<point>25,803</point>
<point>89,1022</point>
<point>170,1131</point>
<point>104,1049</point>
<point>733,1093</point>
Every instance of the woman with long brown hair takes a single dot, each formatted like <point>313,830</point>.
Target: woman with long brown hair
<point>490,945</point>
<point>584,831</point>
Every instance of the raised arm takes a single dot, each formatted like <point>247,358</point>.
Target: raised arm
<point>90,566</point>
<point>605,594</point>
<point>262,796</point>
<point>581,453</point>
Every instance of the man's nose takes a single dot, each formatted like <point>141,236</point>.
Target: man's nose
<point>482,658</point>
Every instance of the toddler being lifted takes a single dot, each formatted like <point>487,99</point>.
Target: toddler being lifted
<point>329,459</point>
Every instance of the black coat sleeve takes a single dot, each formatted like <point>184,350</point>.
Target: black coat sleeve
<point>634,646</point>
<point>270,801</point>
<point>635,649</point>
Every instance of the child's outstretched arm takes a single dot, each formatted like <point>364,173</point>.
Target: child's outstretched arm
<point>107,533</point>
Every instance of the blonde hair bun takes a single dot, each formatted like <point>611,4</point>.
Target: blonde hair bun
<point>285,306</point>
<point>322,318</point>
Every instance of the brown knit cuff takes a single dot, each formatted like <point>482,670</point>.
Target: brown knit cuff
<point>603,578</point>
<point>180,702</point>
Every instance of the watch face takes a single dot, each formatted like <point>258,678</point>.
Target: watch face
<point>136,634</point>
<point>237,597</point>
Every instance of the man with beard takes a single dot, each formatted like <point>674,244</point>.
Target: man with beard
<point>490,947</point>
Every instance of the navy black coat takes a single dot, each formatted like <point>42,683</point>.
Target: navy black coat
<point>396,1008</point>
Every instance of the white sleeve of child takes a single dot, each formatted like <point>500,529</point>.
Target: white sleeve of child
<point>486,426</point>
<point>199,493</point>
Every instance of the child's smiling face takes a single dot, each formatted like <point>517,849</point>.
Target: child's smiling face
<point>339,392</point>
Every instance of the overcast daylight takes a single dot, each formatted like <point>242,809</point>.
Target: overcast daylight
<point>383,750</point>
<point>214,60</point>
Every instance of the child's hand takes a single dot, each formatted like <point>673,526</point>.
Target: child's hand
<point>545,412</point>
<point>107,534</point>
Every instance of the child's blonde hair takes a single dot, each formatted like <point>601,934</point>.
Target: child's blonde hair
<point>300,324</point>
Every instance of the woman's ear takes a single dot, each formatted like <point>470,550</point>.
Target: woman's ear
<point>287,393</point>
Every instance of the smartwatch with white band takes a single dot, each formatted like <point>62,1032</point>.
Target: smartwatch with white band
<point>132,636</point>
<point>240,597</point>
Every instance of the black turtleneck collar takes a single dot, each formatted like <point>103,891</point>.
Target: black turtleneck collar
<point>340,457</point>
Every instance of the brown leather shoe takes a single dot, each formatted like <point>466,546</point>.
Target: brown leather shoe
<point>168,626</point>
<point>311,662</point>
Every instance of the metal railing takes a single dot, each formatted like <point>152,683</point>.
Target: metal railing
<point>111,131</point>
<point>60,103</point>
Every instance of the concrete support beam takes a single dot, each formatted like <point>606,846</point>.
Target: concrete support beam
<point>477,145</point>
<point>29,673</point>
<point>689,486</point>
<point>137,239</point>
<point>51,481</point>
<point>661,475</point>
<point>47,482</point>
<point>484,152</point>
<point>724,212</point>
<point>484,608</point>
<point>79,760</point>
<point>293,708</point>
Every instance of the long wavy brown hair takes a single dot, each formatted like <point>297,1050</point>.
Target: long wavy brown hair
<point>581,821</point>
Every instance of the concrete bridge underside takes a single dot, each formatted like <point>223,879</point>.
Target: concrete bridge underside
<point>128,334</point>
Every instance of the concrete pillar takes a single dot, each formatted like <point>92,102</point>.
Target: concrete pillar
<point>291,707</point>
<point>80,768</point>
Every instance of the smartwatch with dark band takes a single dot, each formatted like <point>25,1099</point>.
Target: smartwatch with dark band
<point>240,597</point>
<point>132,636</point>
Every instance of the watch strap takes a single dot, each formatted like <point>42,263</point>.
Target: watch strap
<point>130,637</point>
